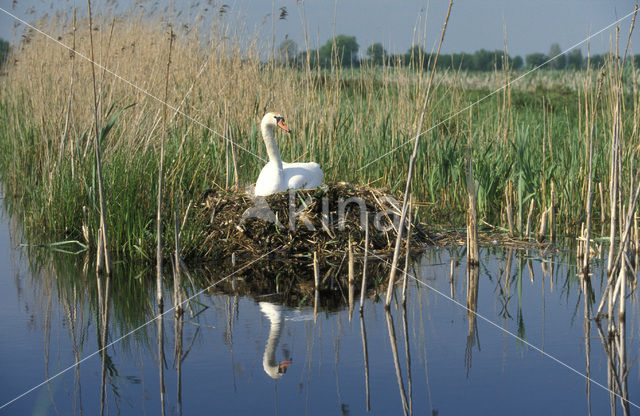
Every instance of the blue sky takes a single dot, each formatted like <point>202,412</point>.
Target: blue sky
<point>531,26</point>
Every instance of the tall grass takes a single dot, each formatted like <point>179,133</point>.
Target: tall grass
<point>527,138</point>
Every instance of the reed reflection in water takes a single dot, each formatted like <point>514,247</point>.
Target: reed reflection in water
<point>221,343</point>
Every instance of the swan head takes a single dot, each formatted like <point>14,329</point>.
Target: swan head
<point>271,120</point>
<point>278,370</point>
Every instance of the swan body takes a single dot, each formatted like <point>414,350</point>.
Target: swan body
<point>279,176</point>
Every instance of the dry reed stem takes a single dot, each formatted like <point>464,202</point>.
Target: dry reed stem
<point>316,271</point>
<point>507,196</point>
<point>412,160</point>
<point>351,282</point>
<point>552,235</point>
<point>542,231</point>
<point>365,355</point>
<point>408,252</point>
<point>396,361</point>
<point>473,257</point>
<point>452,267</point>
<point>160,178</point>
<point>580,247</point>
<point>363,288</point>
<point>103,209</point>
<point>614,172</point>
<point>587,236</point>
<point>316,279</point>
<point>637,243</point>
<point>177,277</point>
<point>99,252</point>
<point>65,131</point>
<point>529,217</point>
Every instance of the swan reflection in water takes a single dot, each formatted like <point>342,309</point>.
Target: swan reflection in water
<point>277,314</point>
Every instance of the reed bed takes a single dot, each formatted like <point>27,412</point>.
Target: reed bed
<point>529,141</point>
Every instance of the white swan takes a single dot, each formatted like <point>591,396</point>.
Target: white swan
<point>278,176</point>
<point>277,314</point>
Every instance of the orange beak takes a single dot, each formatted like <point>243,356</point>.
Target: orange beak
<point>283,125</point>
<point>282,368</point>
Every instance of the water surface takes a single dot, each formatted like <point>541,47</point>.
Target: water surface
<point>242,355</point>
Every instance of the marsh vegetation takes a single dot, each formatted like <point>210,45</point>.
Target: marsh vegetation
<point>528,140</point>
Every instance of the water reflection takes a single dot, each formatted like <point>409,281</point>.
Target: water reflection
<point>587,300</point>
<point>407,351</point>
<point>274,369</point>
<point>396,362</point>
<point>343,365</point>
<point>365,355</point>
<point>102,283</point>
<point>277,315</point>
<point>614,343</point>
<point>473,279</point>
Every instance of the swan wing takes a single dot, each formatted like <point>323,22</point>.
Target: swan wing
<point>303,175</point>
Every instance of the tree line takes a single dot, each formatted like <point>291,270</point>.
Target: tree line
<point>5,48</point>
<point>343,51</point>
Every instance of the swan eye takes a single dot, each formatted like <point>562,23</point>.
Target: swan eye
<point>281,123</point>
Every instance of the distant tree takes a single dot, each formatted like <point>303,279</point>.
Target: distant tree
<point>5,47</point>
<point>560,61</point>
<point>302,58</point>
<point>396,59</point>
<point>376,54</point>
<point>287,50</point>
<point>459,61</point>
<point>535,59</point>
<point>347,49</point>
<point>574,59</point>
<point>416,57</point>
<point>484,60</point>
<point>325,53</point>
<point>596,61</point>
<point>343,48</point>
<point>517,63</point>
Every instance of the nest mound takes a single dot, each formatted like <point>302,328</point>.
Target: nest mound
<point>299,222</point>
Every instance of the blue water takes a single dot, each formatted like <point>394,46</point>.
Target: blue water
<point>48,323</point>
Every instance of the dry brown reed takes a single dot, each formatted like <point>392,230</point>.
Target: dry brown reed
<point>103,246</point>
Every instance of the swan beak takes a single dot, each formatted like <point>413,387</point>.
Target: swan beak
<point>282,368</point>
<point>283,125</point>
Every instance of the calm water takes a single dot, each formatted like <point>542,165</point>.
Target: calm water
<point>247,356</point>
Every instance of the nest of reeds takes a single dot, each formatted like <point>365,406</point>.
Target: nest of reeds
<point>297,223</point>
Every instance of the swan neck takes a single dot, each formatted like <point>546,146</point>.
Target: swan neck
<point>272,147</point>
<point>269,362</point>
